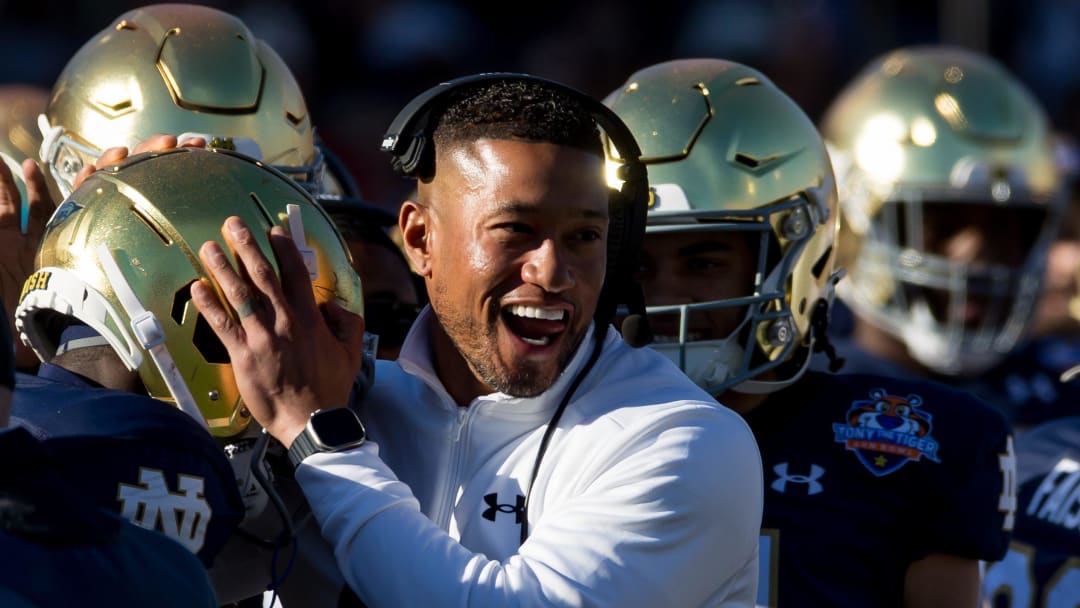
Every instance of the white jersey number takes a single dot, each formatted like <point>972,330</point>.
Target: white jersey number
<point>1011,580</point>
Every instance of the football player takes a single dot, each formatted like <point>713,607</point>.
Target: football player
<point>878,491</point>
<point>1042,567</point>
<point>132,372</point>
<point>50,529</point>
<point>950,199</point>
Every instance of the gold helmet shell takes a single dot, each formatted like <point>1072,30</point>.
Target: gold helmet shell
<point>726,149</point>
<point>178,69</point>
<point>136,229</point>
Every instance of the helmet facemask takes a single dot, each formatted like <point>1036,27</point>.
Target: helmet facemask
<point>762,337</point>
<point>957,282</point>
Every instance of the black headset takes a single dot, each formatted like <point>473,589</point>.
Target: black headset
<point>409,141</point>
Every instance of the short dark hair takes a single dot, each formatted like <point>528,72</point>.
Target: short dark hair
<point>521,110</point>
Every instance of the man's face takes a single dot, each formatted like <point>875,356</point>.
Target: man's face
<point>697,267</point>
<point>978,238</point>
<point>517,250</point>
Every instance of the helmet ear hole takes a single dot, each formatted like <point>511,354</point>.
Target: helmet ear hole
<point>822,262</point>
<point>204,339</point>
<point>180,301</point>
<point>208,344</point>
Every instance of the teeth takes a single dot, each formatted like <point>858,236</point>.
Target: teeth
<point>537,341</point>
<point>535,312</point>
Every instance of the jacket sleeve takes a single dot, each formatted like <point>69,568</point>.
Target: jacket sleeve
<point>659,514</point>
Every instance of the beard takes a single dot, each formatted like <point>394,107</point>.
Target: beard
<point>478,345</point>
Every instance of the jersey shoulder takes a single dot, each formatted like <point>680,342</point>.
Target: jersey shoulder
<point>136,456</point>
<point>54,529</point>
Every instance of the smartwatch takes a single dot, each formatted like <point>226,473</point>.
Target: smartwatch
<point>328,430</point>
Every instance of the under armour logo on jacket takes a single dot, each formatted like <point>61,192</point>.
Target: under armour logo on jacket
<point>813,487</point>
<point>494,508</point>
<point>183,516</point>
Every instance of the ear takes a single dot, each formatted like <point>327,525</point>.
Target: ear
<point>414,221</point>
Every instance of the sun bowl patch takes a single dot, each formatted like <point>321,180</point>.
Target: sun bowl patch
<point>887,431</point>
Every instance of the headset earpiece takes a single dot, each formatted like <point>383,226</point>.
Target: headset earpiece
<point>409,141</point>
<point>413,162</point>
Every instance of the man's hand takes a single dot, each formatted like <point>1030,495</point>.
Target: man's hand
<point>18,248</point>
<point>155,143</point>
<point>289,357</point>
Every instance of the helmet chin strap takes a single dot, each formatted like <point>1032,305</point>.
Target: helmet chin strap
<point>149,334</point>
<point>53,144</point>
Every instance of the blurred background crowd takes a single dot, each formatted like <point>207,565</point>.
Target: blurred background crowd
<point>359,61</point>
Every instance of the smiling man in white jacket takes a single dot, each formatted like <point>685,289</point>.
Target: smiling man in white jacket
<point>519,451</point>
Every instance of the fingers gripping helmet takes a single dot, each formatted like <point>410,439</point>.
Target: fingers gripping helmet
<point>179,69</point>
<point>727,150</point>
<point>121,253</point>
<point>924,130</point>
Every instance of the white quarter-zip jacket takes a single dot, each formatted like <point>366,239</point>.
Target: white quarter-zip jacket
<point>649,494</point>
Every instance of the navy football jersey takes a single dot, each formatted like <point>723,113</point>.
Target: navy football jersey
<point>1042,568</point>
<point>150,462</point>
<point>865,475</point>
<point>60,548</point>
<point>1025,386</point>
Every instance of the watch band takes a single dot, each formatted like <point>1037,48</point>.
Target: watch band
<point>302,447</point>
<point>327,430</point>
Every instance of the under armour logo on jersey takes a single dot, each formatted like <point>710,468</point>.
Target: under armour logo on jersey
<point>811,480</point>
<point>494,508</point>
<point>183,516</point>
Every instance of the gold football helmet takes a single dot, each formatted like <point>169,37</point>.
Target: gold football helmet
<point>120,254</point>
<point>180,69</point>
<point>729,152</point>
<point>923,140</point>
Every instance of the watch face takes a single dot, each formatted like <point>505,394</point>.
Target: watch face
<point>337,428</point>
